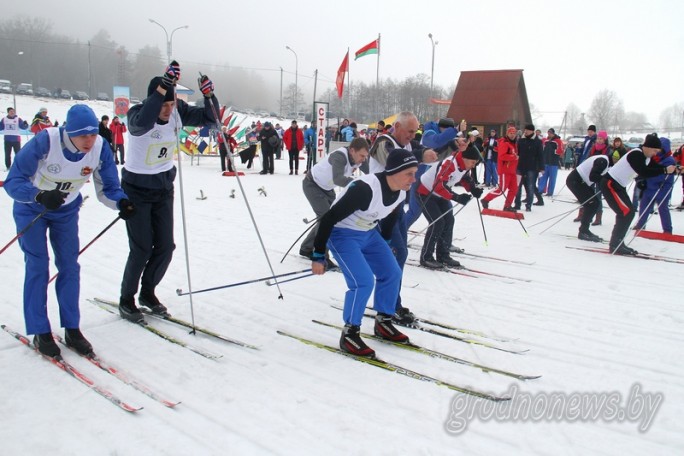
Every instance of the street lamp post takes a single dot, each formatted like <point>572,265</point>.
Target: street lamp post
<point>169,39</point>
<point>432,72</point>
<point>294,102</point>
<point>280,111</point>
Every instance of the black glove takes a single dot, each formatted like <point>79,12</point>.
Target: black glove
<point>206,86</point>
<point>462,198</point>
<point>51,199</point>
<point>476,192</point>
<point>171,75</point>
<point>126,209</point>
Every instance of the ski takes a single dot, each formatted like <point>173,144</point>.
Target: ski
<point>471,332</point>
<point>643,256</point>
<point>109,307</point>
<point>493,274</point>
<point>422,233</point>
<point>75,373</point>
<point>503,260</point>
<point>435,354</point>
<point>442,269</point>
<point>452,336</point>
<point>396,368</point>
<point>120,375</point>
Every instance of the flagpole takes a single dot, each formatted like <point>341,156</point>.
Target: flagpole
<point>348,89</point>
<point>377,72</point>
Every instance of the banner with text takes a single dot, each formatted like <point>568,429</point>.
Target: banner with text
<point>321,110</point>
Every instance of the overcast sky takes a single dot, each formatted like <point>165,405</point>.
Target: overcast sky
<point>569,50</point>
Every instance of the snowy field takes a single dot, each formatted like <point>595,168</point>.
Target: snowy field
<point>592,323</point>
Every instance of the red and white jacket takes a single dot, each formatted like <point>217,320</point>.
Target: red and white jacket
<point>442,176</point>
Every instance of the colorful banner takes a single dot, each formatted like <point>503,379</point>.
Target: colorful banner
<point>122,101</point>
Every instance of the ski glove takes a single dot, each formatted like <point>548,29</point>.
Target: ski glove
<point>171,75</point>
<point>51,199</point>
<point>126,209</point>
<point>462,198</point>
<point>206,86</point>
<point>476,192</point>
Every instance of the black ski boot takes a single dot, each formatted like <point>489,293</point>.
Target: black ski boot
<point>149,300</point>
<point>74,339</point>
<point>449,262</point>
<point>588,236</point>
<point>404,317</point>
<point>351,342</point>
<point>622,249</point>
<point>430,263</point>
<point>129,311</point>
<point>46,344</point>
<point>385,329</point>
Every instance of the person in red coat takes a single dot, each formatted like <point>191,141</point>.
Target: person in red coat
<point>224,151</point>
<point>118,129</point>
<point>293,139</point>
<point>507,163</point>
<point>41,121</point>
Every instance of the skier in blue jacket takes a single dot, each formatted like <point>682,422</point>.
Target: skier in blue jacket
<point>658,191</point>
<point>44,182</point>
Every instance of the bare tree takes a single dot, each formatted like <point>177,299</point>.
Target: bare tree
<point>603,108</point>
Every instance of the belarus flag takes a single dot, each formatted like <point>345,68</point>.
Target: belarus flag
<point>371,48</point>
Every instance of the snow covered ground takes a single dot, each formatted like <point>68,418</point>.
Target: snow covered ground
<point>593,323</point>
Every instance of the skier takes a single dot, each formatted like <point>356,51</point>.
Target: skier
<point>658,191</point>
<point>582,182</point>
<point>147,177</point>
<point>349,231</point>
<point>44,182</point>
<point>319,184</point>
<point>436,197</point>
<point>614,184</point>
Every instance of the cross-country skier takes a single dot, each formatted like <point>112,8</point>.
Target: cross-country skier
<point>147,177</point>
<point>44,182</point>
<point>348,229</point>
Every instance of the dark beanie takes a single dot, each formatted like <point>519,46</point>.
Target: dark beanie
<point>529,127</point>
<point>652,141</point>
<point>471,153</point>
<point>446,122</point>
<point>398,160</point>
<point>591,127</point>
<point>551,130</point>
<point>154,83</point>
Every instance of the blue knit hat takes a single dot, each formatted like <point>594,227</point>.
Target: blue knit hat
<point>81,120</point>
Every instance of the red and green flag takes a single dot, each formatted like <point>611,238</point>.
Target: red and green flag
<point>371,48</point>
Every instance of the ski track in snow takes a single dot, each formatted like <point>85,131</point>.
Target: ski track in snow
<point>591,322</point>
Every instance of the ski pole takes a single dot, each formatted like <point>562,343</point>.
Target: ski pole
<point>90,243</point>
<point>242,190</point>
<point>563,215</point>
<point>270,284</point>
<point>297,240</point>
<point>479,211</point>
<point>180,292</point>
<point>435,221</point>
<point>23,231</point>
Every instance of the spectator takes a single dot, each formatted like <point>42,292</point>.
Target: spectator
<point>226,162</point>
<point>269,144</point>
<point>349,132</point>
<point>530,165</point>
<point>11,124</point>
<point>552,151</point>
<point>491,178</point>
<point>310,145</point>
<point>41,121</point>
<point>507,166</point>
<point>293,139</point>
<point>106,133</point>
<point>589,141</point>
<point>279,150</point>
<point>118,129</point>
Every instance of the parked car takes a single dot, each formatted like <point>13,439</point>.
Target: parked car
<point>633,142</point>
<point>5,86</point>
<point>41,92</point>
<point>102,96</point>
<point>80,95</point>
<point>24,89</point>
<point>135,101</point>
<point>64,94</point>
